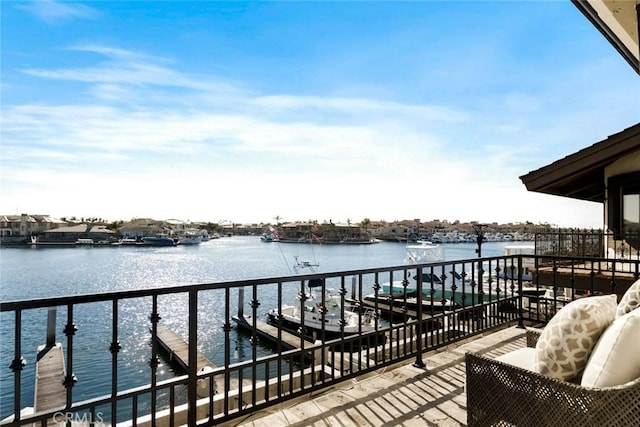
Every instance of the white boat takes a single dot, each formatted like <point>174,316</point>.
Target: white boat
<point>337,319</point>
<point>190,238</point>
<point>129,241</point>
<point>270,236</point>
<point>528,263</point>
<point>399,293</point>
<point>321,315</point>
<point>267,238</point>
<point>422,252</point>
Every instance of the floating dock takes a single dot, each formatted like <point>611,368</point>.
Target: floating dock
<point>269,332</point>
<point>394,310</point>
<point>50,392</point>
<point>178,349</point>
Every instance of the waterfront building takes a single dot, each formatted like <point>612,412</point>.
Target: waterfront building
<point>16,229</point>
<point>327,232</point>
<point>71,234</point>
<point>144,227</point>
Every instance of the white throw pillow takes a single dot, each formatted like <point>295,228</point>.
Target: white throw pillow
<point>616,358</point>
<point>567,341</point>
<point>630,300</point>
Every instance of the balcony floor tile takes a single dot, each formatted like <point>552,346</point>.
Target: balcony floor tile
<point>399,396</point>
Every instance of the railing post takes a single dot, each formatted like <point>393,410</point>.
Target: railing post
<point>419,363</point>
<point>70,379</point>
<point>192,387</point>
<point>353,287</point>
<point>520,297</point>
<point>17,365</point>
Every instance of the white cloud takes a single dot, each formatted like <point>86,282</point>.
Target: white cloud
<point>53,12</point>
<point>139,147</point>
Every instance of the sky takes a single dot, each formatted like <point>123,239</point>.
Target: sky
<point>252,111</point>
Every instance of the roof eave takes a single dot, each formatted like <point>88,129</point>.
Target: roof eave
<point>581,175</point>
<point>614,35</point>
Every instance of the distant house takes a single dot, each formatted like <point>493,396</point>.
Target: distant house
<point>63,235</point>
<point>100,234</point>
<point>72,233</point>
<point>144,227</point>
<point>20,228</point>
<point>327,232</point>
<point>177,226</point>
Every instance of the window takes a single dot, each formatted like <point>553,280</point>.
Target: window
<point>624,208</point>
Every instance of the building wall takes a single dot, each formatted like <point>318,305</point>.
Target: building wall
<point>625,165</point>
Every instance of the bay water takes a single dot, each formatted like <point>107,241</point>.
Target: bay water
<point>28,272</point>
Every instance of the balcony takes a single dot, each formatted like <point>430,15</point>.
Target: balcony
<point>610,261</point>
<point>393,355</point>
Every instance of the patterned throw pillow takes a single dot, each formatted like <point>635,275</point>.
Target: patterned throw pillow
<point>568,339</point>
<point>630,300</point>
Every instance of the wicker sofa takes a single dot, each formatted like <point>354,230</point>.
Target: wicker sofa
<point>505,395</point>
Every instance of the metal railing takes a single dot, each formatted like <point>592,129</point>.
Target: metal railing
<point>381,319</point>
<point>588,243</point>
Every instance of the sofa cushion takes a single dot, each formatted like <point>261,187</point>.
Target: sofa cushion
<point>630,300</point>
<point>567,341</point>
<point>524,358</point>
<point>616,357</point>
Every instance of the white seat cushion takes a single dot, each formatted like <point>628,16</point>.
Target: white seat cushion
<point>630,300</point>
<point>567,341</point>
<point>616,358</point>
<point>524,358</point>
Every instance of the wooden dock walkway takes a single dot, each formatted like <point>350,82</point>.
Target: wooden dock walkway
<point>178,349</point>
<point>397,311</point>
<point>50,392</point>
<point>270,332</point>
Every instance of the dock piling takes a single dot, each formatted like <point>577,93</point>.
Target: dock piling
<point>51,327</point>
<point>241,303</point>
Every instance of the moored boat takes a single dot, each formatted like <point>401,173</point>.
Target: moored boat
<point>159,240</point>
<point>318,315</point>
<point>404,293</point>
<point>190,238</point>
<point>267,238</point>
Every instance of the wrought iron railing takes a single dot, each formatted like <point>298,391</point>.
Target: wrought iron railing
<point>381,319</point>
<point>588,243</point>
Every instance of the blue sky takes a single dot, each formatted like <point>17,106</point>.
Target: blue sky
<point>217,111</point>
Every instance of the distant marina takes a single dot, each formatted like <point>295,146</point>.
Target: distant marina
<point>28,229</point>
